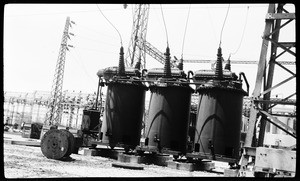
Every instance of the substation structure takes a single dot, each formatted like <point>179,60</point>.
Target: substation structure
<point>199,116</point>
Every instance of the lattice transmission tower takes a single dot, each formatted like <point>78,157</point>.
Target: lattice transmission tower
<point>262,103</point>
<point>136,55</point>
<point>54,113</point>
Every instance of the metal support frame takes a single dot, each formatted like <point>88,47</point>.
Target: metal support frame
<point>136,52</point>
<point>53,116</point>
<point>264,79</point>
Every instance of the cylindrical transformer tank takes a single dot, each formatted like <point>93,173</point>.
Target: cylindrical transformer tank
<point>123,114</point>
<point>219,120</point>
<point>168,118</point>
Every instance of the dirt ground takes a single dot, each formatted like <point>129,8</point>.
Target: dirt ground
<point>29,162</point>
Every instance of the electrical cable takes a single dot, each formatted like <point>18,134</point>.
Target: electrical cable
<point>97,32</point>
<point>224,25</point>
<point>187,19</point>
<point>242,34</point>
<point>111,24</point>
<point>89,11</point>
<point>164,25</point>
<point>78,60</point>
<point>94,40</point>
<point>211,23</point>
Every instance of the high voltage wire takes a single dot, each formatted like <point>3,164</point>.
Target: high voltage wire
<point>187,19</point>
<point>88,11</point>
<point>164,25</point>
<point>96,50</point>
<point>224,25</point>
<point>82,66</point>
<point>58,13</point>
<point>242,34</point>
<point>211,24</point>
<point>92,30</point>
<point>111,24</point>
<point>95,40</point>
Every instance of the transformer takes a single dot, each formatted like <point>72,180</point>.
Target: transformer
<point>169,109</point>
<point>124,106</point>
<point>219,114</point>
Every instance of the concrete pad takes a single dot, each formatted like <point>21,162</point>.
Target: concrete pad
<point>23,142</point>
<point>186,166</point>
<point>128,166</point>
<point>207,166</point>
<point>109,153</point>
<point>172,164</point>
<point>231,172</point>
<point>191,166</point>
<point>90,152</point>
<point>129,158</point>
<point>160,160</point>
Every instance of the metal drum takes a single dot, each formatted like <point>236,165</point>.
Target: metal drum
<point>168,118</point>
<point>123,114</point>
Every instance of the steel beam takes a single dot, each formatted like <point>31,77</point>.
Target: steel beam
<point>279,124</point>
<point>280,16</point>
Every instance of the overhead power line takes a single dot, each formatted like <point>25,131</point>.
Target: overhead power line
<point>162,14</point>
<point>111,25</point>
<point>224,25</point>
<point>187,19</point>
<point>242,34</point>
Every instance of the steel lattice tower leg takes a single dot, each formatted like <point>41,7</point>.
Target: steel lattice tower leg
<point>136,55</point>
<point>54,113</point>
<point>261,101</point>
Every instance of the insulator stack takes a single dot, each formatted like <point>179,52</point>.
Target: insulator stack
<point>138,64</point>
<point>121,68</point>
<point>228,65</point>
<point>219,71</point>
<point>180,65</point>
<point>167,68</point>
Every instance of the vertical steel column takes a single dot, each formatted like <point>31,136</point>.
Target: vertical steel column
<point>264,79</point>
<point>259,78</point>
<point>270,75</point>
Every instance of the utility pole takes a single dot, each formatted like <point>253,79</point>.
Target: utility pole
<point>53,116</point>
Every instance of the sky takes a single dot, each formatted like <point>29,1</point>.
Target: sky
<point>33,33</point>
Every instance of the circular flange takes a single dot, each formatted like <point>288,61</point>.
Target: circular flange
<point>55,144</point>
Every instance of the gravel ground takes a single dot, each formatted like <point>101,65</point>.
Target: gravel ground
<point>29,162</point>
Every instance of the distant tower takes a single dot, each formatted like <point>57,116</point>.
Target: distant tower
<point>136,55</point>
<point>54,113</point>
